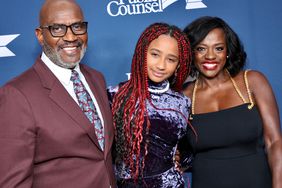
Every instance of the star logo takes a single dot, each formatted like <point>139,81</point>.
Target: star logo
<point>195,4</point>
<point>4,41</point>
<point>190,4</point>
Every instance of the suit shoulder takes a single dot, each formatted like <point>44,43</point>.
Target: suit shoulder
<point>26,80</point>
<point>19,86</point>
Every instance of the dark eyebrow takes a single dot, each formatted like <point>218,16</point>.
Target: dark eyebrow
<point>172,55</point>
<point>155,49</point>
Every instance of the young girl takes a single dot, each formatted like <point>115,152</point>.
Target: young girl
<point>150,116</point>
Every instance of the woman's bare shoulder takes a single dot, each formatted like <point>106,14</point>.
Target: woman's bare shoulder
<point>256,80</point>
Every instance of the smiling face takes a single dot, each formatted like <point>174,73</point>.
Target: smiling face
<point>66,51</point>
<point>211,53</point>
<point>162,58</point>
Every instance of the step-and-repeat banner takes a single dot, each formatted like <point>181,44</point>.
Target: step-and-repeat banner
<point>115,25</point>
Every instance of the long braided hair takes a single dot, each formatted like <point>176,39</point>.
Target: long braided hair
<point>129,103</point>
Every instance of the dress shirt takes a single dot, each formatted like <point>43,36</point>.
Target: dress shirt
<point>64,75</point>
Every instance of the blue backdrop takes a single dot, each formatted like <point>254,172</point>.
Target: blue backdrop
<point>115,25</point>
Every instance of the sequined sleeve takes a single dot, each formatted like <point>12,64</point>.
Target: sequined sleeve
<point>111,91</point>
<point>184,148</point>
<point>185,152</point>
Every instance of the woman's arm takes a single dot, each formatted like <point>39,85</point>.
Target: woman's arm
<point>266,102</point>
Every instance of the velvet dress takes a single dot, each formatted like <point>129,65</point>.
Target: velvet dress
<point>166,129</point>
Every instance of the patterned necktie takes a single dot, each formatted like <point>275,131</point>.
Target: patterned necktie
<point>87,106</point>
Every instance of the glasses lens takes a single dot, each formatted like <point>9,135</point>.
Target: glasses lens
<point>58,30</point>
<point>79,28</point>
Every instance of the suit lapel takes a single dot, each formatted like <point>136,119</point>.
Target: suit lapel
<point>62,98</point>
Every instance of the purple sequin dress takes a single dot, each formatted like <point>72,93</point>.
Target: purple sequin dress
<point>167,128</point>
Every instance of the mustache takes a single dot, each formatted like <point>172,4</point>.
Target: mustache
<point>77,43</point>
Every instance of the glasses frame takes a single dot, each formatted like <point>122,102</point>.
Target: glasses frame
<point>49,27</point>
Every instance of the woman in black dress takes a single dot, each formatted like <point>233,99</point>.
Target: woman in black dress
<point>234,113</point>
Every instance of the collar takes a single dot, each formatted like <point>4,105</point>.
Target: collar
<point>161,87</point>
<point>61,73</point>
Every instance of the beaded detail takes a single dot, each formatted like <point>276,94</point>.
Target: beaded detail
<point>158,88</point>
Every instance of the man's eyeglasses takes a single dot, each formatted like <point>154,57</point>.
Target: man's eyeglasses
<point>60,30</point>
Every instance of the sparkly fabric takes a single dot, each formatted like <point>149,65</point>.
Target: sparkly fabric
<point>167,128</point>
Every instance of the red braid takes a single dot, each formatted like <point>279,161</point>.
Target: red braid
<point>129,104</point>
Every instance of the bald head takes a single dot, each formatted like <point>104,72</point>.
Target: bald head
<point>53,9</point>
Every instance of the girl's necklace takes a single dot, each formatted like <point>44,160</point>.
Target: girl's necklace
<point>158,91</point>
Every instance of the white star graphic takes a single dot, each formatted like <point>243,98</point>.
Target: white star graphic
<point>190,4</point>
<point>195,4</point>
<point>4,41</point>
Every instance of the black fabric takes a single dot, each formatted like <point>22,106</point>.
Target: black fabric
<point>229,152</point>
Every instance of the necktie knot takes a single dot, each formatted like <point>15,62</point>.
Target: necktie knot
<point>74,76</point>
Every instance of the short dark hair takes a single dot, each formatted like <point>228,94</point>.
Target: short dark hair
<point>199,29</point>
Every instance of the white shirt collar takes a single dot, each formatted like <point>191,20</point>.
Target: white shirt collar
<point>63,74</point>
